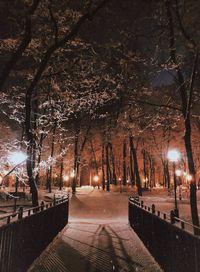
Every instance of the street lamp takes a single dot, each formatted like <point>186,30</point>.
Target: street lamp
<point>16,158</point>
<point>178,172</point>
<point>174,156</point>
<point>72,174</point>
<point>189,177</point>
<point>120,184</point>
<point>66,178</point>
<point>96,180</point>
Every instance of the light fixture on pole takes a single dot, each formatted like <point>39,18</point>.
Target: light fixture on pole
<point>178,172</point>
<point>66,178</point>
<point>72,174</point>
<point>73,182</point>
<point>174,156</point>
<point>16,158</point>
<point>189,177</point>
<point>120,184</point>
<point>96,180</point>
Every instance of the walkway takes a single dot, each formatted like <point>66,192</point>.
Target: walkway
<point>97,238</point>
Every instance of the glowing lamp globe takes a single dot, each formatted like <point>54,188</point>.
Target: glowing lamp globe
<point>66,178</point>
<point>189,177</point>
<point>173,155</point>
<point>17,157</point>
<point>96,178</point>
<point>178,172</point>
<point>72,174</point>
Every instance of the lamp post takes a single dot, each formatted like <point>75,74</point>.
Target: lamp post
<point>73,176</point>
<point>96,180</point>
<point>174,156</point>
<point>17,158</point>
<point>179,174</point>
<point>66,179</point>
<point>120,184</point>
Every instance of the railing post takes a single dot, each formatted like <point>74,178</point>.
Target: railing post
<point>15,238</point>
<point>182,225</point>
<point>20,213</point>
<point>142,203</point>
<point>42,206</point>
<point>54,200</point>
<point>8,220</point>
<point>153,208</point>
<point>172,219</point>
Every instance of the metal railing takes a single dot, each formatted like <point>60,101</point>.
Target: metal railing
<point>168,238</point>
<point>26,233</point>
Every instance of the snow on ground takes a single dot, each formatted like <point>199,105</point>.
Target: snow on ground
<point>165,202</point>
<point>97,238</point>
<point>8,205</point>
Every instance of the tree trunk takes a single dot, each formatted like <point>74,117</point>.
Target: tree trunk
<point>114,178</point>
<point>136,170</point>
<point>144,167</point>
<point>124,163</point>
<point>32,184</point>
<point>94,156</point>
<point>29,164</point>
<point>76,139</point>
<point>167,174</point>
<point>102,167</point>
<point>108,174</point>
<point>51,163</point>
<point>39,158</point>
<point>61,169</point>
<point>193,196</point>
<point>132,174</point>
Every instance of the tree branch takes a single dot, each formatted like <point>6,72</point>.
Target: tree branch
<point>23,45</point>
<point>172,51</point>
<point>87,16</point>
<point>192,83</point>
<point>157,105</point>
<point>55,25</point>
<point>184,32</point>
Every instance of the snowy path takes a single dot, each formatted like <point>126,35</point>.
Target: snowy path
<point>97,238</point>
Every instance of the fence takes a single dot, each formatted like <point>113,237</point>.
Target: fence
<point>22,240</point>
<point>166,237</point>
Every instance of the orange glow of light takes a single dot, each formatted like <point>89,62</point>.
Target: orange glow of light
<point>72,174</point>
<point>173,155</point>
<point>66,178</point>
<point>189,177</point>
<point>178,172</point>
<point>96,178</point>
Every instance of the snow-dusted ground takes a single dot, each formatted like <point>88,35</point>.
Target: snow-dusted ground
<point>165,202</point>
<point>97,238</point>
